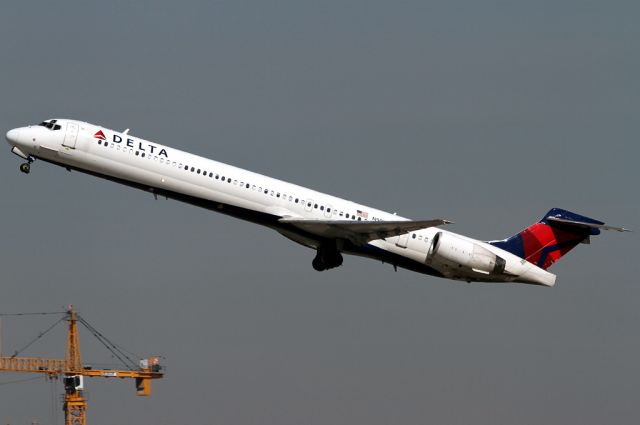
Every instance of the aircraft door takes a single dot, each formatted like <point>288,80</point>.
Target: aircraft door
<point>402,240</point>
<point>71,136</point>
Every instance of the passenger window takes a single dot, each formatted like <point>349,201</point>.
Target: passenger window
<point>321,207</point>
<point>247,185</point>
<point>142,154</point>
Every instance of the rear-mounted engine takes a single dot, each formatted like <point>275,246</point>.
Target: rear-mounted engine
<point>452,251</point>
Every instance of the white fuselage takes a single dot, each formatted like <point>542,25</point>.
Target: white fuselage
<point>176,174</point>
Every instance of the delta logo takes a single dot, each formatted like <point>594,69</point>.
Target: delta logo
<point>145,147</point>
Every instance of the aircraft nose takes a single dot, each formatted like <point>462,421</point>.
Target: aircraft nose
<point>13,136</point>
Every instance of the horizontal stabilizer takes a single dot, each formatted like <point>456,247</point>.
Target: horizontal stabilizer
<point>585,224</point>
<point>360,232</point>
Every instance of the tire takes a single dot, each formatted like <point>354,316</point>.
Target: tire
<point>318,265</point>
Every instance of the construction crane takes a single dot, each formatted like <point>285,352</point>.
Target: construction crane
<point>71,368</point>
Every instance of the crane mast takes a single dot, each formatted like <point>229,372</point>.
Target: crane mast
<point>75,404</point>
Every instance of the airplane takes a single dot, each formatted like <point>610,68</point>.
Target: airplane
<point>331,226</point>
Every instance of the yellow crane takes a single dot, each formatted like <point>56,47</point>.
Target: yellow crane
<point>75,404</point>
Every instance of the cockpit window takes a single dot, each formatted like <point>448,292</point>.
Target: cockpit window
<point>51,125</point>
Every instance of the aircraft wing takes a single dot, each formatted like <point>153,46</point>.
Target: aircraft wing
<point>360,232</point>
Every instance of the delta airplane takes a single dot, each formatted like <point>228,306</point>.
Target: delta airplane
<point>327,224</point>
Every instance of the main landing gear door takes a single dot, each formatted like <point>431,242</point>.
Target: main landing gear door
<point>71,135</point>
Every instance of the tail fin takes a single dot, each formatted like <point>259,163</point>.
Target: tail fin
<point>559,231</point>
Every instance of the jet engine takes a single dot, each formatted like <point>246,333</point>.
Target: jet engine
<point>452,251</point>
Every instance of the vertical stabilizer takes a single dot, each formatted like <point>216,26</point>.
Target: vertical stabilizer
<point>546,241</point>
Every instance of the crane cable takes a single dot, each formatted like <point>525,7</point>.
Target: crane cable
<point>115,350</point>
<point>40,335</point>
<point>119,352</point>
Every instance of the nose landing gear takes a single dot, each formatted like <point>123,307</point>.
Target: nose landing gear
<point>25,168</point>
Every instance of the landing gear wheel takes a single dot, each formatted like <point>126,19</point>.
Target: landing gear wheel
<point>326,260</point>
<point>318,265</point>
<point>25,168</point>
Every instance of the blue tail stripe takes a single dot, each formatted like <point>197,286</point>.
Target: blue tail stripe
<point>568,215</point>
<point>513,245</point>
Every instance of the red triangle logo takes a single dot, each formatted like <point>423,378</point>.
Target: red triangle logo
<point>100,135</point>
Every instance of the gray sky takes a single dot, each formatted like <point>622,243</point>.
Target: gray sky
<point>487,113</point>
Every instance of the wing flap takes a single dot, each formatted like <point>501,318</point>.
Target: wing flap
<point>360,232</point>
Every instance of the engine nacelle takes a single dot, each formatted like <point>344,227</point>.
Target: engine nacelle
<point>453,251</point>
